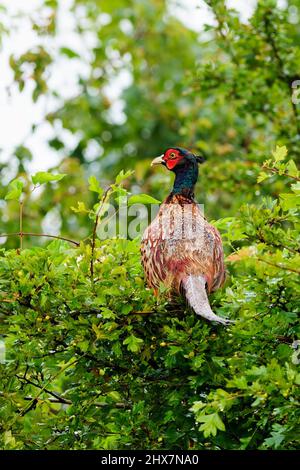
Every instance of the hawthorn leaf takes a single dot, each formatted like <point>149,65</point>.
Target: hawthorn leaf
<point>14,190</point>
<point>43,177</point>
<point>142,199</point>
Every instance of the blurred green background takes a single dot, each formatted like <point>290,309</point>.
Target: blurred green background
<point>142,80</point>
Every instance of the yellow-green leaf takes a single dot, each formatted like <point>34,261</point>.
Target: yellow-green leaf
<point>43,177</point>
<point>133,343</point>
<point>279,153</point>
<point>80,208</point>
<point>292,169</point>
<point>142,199</point>
<point>14,190</point>
<point>95,185</point>
<point>262,176</point>
<point>211,424</point>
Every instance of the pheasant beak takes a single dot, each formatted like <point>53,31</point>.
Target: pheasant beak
<point>158,161</point>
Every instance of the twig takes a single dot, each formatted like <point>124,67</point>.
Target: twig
<point>286,268</point>
<point>140,313</point>
<point>95,231</point>
<point>64,401</point>
<point>29,234</point>
<point>277,245</point>
<point>220,27</point>
<point>34,400</point>
<point>275,170</point>
<point>56,397</point>
<point>21,224</point>
<point>280,66</point>
<point>54,394</point>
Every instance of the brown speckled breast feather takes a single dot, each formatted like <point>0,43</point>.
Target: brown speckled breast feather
<point>179,243</point>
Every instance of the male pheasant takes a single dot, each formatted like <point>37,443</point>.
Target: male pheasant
<point>180,249</point>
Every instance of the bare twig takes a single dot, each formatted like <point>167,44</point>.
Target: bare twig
<point>64,401</point>
<point>274,170</point>
<point>286,268</point>
<point>95,230</point>
<point>21,224</point>
<point>35,400</point>
<point>55,395</point>
<point>29,234</point>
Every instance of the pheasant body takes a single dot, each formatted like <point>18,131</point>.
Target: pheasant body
<point>180,249</point>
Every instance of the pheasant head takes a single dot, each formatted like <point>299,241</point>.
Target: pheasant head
<point>184,164</point>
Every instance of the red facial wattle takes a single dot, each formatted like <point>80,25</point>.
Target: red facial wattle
<point>171,163</point>
<point>172,158</point>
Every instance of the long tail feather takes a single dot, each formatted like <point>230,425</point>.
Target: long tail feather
<point>195,293</point>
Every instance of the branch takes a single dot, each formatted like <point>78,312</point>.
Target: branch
<point>55,395</point>
<point>277,244</point>
<point>274,170</point>
<point>220,26</point>
<point>140,313</point>
<point>95,230</point>
<point>19,234</point>
<point>280,66</point>
<point>35,400</point>
<point>64,401</point>
<point>286,268</point>
<point>21,224</point>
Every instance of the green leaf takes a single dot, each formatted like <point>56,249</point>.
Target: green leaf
<point>123,176</point>
<point>211,424</point>
<point>277,436</point>
<point>133,343</point>
<point>69,53</point>
<point>14,190</point>
<point>239,382</point>
<point>262,176</point>
<point>95,185</point>
<point>81,208</point>
<point>44,177</point>
<point>100,334</point>
<point>292,169</point>
<point>279,153</point>
<point>9,439</point>
<point>23,153</point>
<point>296,187</point>
<point>142,199</point>
<point>198,405</point>
<point>289,201</point>
<point>114,395</point>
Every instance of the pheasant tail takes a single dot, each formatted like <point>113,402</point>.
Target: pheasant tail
<point>195,292</point>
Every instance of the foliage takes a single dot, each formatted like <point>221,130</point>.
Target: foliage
<point>93,360</point>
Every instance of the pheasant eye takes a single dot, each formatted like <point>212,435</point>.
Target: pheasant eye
<point>172,155</point>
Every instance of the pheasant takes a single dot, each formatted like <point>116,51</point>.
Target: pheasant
<point>180,249</point>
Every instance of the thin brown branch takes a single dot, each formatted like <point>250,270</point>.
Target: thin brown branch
<point>29,234</point>
<point>55,395</point>
<point>69,402</point>
<point>275,170</point>
<point>95,231</point>
<point>34,400</point>
<point>275,265</point>
<point>261,238</point>
<point>21,224</point>
<point>140,313</point>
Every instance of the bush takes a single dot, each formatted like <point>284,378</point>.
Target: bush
<point>94,361</point>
